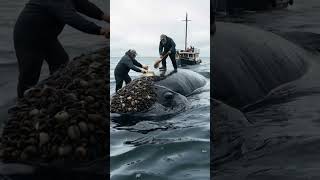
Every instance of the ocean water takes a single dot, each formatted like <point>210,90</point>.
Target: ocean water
<point>177,147</point>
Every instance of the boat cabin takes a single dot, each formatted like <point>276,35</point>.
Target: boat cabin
<point>190,56</point>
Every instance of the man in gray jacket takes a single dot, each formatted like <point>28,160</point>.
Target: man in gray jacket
<point>127,62</point>
<point>167,45</point>
<point>36,35</point>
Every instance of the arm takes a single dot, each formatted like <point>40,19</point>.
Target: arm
<point>64,11</point>
<point>106,18</point>
<point>160,48</point>
<point>89,9</point>
<point>132,66</point>
<point>136,63</point>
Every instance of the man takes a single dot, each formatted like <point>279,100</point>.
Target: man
<point>167,45</point>
<point>123,67</point>
<point>36,35</point>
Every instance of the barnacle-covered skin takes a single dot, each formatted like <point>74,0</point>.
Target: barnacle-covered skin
<point>64,117</point>
<point>137,96</point>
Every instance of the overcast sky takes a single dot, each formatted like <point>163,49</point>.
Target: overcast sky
<point>138,24</point>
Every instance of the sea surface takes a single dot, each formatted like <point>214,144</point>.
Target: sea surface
<point>163,148</point>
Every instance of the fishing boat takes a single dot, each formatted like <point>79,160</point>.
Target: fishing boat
<point>190,55</point>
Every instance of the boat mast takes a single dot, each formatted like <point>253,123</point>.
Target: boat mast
<point>186,37</point>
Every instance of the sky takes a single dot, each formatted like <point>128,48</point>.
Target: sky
<point>138,24</point>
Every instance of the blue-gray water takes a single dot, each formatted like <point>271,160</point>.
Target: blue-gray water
<point>171,148</point>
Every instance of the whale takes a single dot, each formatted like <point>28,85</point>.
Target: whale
<point>172,90</point>
<point>265,106</point>
<point>249,62</point>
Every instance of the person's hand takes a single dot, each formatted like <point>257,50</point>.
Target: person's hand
<point>144,71</point>
<point>146,67</point>
<point>106,18</point>
<point>169,52</point>
<point>105,32</point>
<point>161,56</point>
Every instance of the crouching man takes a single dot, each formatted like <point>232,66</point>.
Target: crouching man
<point>123,67</point>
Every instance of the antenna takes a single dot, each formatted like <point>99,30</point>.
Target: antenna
<point>186,37</point>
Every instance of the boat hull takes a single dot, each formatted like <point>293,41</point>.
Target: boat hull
<point>183,62</point>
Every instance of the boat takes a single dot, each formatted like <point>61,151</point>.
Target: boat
<point>190,55</point>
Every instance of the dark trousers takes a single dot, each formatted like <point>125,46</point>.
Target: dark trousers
<point>30,58</point>
<point>173,60</point>
<point>119,80</point>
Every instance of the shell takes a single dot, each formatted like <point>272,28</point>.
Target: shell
<point>89,99</point>
<point>73,132</point>
<point>83,127</point>
<point>31,141</point>
<point>33,92</point>
<point>84,83</point>
<point>34,112</point>
<point>47,91</point>
<point>43,138</point>
<point>64,150</point>
<point>72,97</point>
<point>62,116</point>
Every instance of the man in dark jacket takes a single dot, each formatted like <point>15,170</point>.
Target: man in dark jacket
<point>36,35</point>
<point>167,45</point>
<point>127,62</point>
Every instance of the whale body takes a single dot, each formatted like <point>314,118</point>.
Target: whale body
<point>265,107</point>
<point>249,62</point>
<point>171,89</point>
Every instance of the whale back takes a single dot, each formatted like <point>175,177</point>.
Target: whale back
<point>183,81</point>
<point>248,63</point>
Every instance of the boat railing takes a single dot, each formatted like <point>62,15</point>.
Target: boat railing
<point>190,50</point>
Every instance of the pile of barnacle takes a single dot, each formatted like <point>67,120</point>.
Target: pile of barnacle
<point>137,96</point>
<point>62,118</point>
